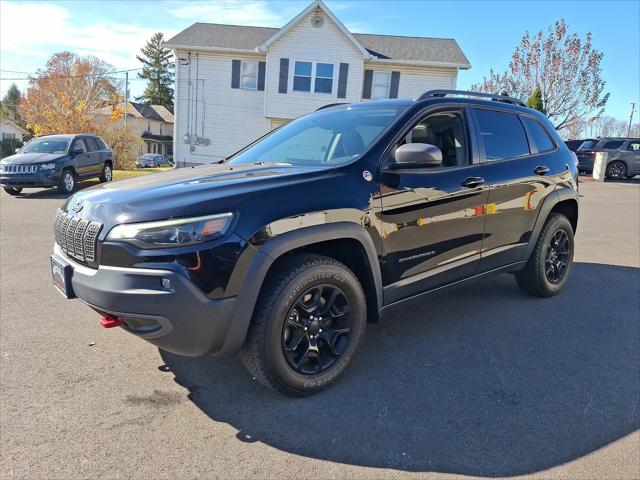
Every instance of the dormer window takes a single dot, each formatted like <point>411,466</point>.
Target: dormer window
<point>313,74</point>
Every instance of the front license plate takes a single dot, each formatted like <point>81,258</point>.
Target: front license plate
<point>62,278</point>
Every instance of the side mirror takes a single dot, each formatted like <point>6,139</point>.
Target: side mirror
<point>76,151</point>
<point>416,155</point>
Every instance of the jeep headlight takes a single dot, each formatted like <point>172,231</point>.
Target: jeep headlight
<point>172,233</point>
<point>47,166</point>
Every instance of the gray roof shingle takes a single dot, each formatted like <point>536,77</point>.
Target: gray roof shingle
<point>392,47</point>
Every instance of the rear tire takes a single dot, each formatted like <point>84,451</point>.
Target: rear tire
<point>13,191</point>
<point>107,173</point>
<point>67,182</point>
<point>551,261</point>
<point>616,170</point>
<point>308,322</point>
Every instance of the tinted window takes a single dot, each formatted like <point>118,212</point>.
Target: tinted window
<point>538,135</point>
<point>612,145</point>
<point>91,144</point>
<point>446,131</point>
<point>588,145</point>
<point>502,133</point>
<point>80,145</point>
<point>634,146</point>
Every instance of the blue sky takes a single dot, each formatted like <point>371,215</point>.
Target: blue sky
<point>487,31</point>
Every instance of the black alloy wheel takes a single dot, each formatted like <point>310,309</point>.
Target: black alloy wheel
<point>557,257</point>
<point>317,330</point>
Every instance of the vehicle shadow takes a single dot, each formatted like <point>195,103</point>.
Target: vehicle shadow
<point>483,381</point>
<point>52,193</point>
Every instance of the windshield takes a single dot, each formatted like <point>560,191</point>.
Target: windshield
<point>44,145</point>
<point>332,137</point>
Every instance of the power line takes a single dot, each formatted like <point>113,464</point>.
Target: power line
<point>57,77</point>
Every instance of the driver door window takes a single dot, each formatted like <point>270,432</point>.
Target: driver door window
<point>446,131</point>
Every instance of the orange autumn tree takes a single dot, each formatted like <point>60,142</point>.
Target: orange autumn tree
<point>61,97</point>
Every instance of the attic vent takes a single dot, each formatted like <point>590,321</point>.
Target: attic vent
<point>317,21</point>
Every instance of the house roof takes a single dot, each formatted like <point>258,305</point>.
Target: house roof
<point>215,36</point>
<point>14,125</point>
<point>158,113</point>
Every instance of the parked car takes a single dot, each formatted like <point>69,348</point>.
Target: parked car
<point>56,161</point>
<point>573,145</point>
<point>623,156</point>
<point>286,250</point>
<point>153,160</point>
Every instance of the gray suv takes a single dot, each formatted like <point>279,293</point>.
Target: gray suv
<point>623,158</point>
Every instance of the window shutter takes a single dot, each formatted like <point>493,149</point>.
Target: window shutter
<point>342,80</point>
<point>366,86</point>
<point>261,69</point>
<point>395,84</point>
<point>235,74</point>
<point>284,75</point>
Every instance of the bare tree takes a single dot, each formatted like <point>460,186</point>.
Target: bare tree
<point>566,68</point>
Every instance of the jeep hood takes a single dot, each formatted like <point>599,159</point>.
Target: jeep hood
<point>27,158</point>
<point>186,192</point>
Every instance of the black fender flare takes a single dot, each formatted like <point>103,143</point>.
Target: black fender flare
<point>267,253</point>
<point>551,201</point>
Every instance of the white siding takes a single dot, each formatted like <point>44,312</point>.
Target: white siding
<point>327,44</point>
<point>231,117</point>
<point>414,81</point>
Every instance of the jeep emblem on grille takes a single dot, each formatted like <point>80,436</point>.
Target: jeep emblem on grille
<point>77,207</point>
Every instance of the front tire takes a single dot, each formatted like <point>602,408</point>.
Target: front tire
<point>107,173</point>
<point>551,261</point>
<point>13,191</point>
<point>616,170</point>
<point>67,182</point>
<point>307,324</point>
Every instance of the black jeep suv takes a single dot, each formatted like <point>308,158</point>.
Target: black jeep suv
<point>285,250</point>
<point>56,161</point>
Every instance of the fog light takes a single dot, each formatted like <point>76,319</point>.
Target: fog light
<point>166,283</point>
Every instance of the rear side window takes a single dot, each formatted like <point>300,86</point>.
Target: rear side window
<point>538,135</point>
<point>634,146</point>
<point>612,145</point>
<point>502,134</point>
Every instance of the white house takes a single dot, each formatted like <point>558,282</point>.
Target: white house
<point>236,83</point>
<point>11,131</point>
<point>154,124</point>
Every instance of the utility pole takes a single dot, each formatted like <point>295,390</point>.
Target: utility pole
<point>126,97</point>
<point>633,108</point>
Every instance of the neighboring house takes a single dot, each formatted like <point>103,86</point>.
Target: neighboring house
<point>11,131</point>
<point>236,83</point>
<point>154,124</point>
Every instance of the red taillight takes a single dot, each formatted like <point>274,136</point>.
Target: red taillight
<point>110,322</point>
<point>587,153</point>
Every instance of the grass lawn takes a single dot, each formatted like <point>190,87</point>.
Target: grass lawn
<point>122,174</point>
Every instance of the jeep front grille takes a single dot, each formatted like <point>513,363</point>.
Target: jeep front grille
<point>28,169</point>
<point>75,236</point>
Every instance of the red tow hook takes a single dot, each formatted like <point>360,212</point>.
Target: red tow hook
<point>110,322</point>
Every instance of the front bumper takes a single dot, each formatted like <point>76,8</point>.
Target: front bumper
<point>177,318</point>
<point>38,179</point>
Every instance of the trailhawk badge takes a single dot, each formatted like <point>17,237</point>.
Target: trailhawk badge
<point>367,175</point>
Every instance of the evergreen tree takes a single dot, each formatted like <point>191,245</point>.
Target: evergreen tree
<point>158,70</point>
<point>9,104</point>
<point>535,100</point>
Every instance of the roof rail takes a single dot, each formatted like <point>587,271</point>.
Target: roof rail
<point>490,96</point>
<point>329,105</point>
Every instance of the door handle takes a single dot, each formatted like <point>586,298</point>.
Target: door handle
<point>472,182</point>
<point>541,170</point>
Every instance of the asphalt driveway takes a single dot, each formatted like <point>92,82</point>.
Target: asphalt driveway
<point>484,381</point>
